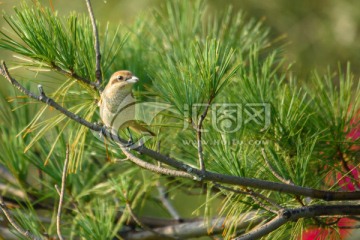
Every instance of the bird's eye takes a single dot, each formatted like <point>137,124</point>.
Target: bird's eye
<point>120,77</point>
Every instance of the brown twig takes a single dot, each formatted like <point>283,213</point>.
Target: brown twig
<point>98,73</point>
<point>75,76</point>
<point>62,193</point>
<point>199,138</point>
<point>25,233</point>
<point>255,196</point>
<point>139,222</point>
<point>272,170</point>
<point>280,178</point>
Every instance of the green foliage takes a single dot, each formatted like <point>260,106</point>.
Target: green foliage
<point>195,76</point>
<point>187,58</point>
<point>51,41</point>
<point>99,221</point>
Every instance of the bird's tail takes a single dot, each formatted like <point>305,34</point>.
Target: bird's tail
<point>139,128</point>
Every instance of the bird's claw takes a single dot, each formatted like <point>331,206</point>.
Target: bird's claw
<point>102,132</point>
<point>130,142</point>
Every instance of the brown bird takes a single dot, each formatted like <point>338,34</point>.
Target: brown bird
<point>117,104</point>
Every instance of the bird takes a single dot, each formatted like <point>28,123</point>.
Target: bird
<point>117,104</point>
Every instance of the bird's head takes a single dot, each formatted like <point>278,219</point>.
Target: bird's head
<point>121,81</point>
<point>122,78</point>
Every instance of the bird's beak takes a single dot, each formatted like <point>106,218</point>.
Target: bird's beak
<point>132,80</point>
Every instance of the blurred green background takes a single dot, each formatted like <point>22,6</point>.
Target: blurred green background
<point>316,34</point>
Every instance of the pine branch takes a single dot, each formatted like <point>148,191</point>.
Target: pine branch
<point>205,176</point>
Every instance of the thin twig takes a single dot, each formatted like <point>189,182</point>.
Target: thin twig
<point>280,178</point>
<point>199,138</point>
<point>254,196</point>
<point>98,73</point>
<point>25,233</point>
<point>287,215</point>
<point>181,166</point>
<point>57,189</point>
<point>166,203</point>
<point>349,227</point>
<point>13,191</point>
<point>62,193</point>
<point>75,76</point>
<point>138,221</point>
<point>135,218</point>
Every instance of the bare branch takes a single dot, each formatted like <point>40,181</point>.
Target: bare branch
<point>152,167</point>
<point>6,233</point>
<point>25,233</point>
<point>250,182</point>
<point>140,223</point>
<point>98,73</point>
<point>5,174</point>
<point>50,102</point>
<point>294,214</point>
<point>62,193</point>
<point>350,227</point>
<point>196,228</point>
<point>13,191</point>
<point>205,176</point>
<point>166,203</point>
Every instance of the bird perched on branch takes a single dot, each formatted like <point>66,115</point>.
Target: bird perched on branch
<point>117,104</point>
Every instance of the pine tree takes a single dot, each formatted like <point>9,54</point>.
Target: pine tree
<point>242,150</point>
